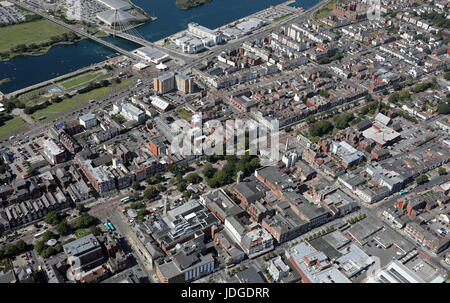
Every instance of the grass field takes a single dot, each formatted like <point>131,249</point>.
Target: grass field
<point>324,11</point>
<point>94,93</point>
<point>27,33</point>
<point>57,108</point>
<point>80,80</point>
<point>184,114</point>
<point>81,233</point>
<point>125,83</point>
<point>12,125</point>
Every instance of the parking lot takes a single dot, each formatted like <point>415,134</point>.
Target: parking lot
<point>21,154</point>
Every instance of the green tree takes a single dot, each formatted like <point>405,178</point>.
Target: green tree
<point>80,207</point>
<point>442,171</point>
<point>84,221</point>
<point>208,171</point>
<point>320,128</point>
<point>52,218</point>
<point>181,186</point>
<point>48,235</point>
<point>95,230</point>
<point>443,108</point>
<point>150,193</point>
<point>342,121</point>
<point>63,228</point>
<point>135,185</point>
<point>193,178</point>
<point>421,179</point>
<point>39,246</point>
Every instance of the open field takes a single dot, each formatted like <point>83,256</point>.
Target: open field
<point>80,80</point>
<point>30,32</point>
<point>11,126</point>
<point>324,11</point>
<point>184,114</point>
<point>93,94</point>
<point>57,108</point>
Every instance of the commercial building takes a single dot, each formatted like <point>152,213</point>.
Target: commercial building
<point>159,103</point>
<point>53,152</point>
<point>183,223</point>
<point>313,265</point>
<point>116,4</point>
<point>152,55</point>
<point>83,254</point>
<point>381,134</point>
<point>218,202</point>
<point>277,268</point>
<point>100,177</point>
<point>185,268</point>
<point>112,17</point>
<point>395,272</point>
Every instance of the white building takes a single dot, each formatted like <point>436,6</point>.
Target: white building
<point>88,120</point>
<point>209,36</point>
<point>131,112</point>
<point>151,55</point>
<point>395,272</point>
<point>53,152</point>
<point>278,269</point>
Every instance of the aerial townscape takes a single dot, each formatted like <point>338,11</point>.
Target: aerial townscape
<point>99,99</point>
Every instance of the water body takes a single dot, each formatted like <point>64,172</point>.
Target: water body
<point>28,70</point>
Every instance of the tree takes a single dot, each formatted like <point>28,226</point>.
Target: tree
<point>179,178</point>
<point>95,230</point>
<point>80,207</point>
<point>193,178</point>
<point>288,129</point>
<point>48,235</point>
<point>52,218</point>
<point>63,228</point>
<point>40,246</point>
<point>21,246</point>
<point>161,188</point>
<point>421,179</point>
<point>208,171</point>
<point>135,185</point>
<point>83,221</point>
<point>443,108</point>
<point>181,186</point>
<point>342,121</point>
<point>320,128</point>
<point>442,171</point>
<point>150,193</point>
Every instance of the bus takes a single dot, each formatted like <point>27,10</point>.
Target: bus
<point>126,200</point>
<point>111,227</point>
<point>39,234</point>
<point>107,226</point>
<point>404,192</point>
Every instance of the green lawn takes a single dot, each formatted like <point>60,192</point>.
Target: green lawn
<point>57,108</point>
<point>12,125</point>
<point>324,11</point>
<point>94,93</point>
<point>185,114</point>
<point>126,83</point>
<point>80,79</point>
<point>81,233</point>
<point>27,33</point>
